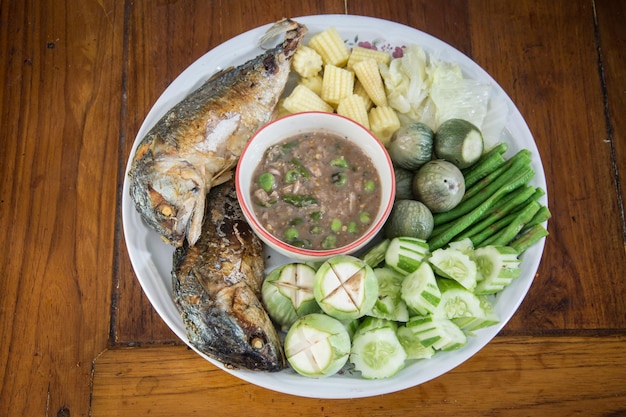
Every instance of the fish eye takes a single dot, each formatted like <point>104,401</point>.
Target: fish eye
<point>257,342</point>
<point>165,210</point>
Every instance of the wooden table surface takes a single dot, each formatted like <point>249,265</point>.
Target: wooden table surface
<point>80,337</point>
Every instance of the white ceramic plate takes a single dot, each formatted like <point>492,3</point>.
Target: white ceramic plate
<point>151,258</point>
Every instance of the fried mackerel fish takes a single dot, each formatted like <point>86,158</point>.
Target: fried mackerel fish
<point>197,143</point>
<point>217,288</point>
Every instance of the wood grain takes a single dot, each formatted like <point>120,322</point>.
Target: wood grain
<point>60,151</point>
<point>78,79</point>
<point>557,376</point>
<point>555,84</point>
<point>448,21</point>
<point>611,37</point>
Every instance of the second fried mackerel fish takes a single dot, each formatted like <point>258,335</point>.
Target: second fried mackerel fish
<point>217,288</point>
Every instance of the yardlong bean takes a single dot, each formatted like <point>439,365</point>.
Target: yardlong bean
<point>542,215</point>
<point>487,163</point>
<point>520,159</point>
<point>506,235</point>
<point>506,205</point>
<point>461,223</point>
<point>478,238</point>
<point>519,167</point>
<point>529,238</point>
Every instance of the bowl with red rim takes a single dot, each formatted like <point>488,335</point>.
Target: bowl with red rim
<point>328,195</point>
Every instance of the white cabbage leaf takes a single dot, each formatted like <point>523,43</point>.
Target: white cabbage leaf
<point>421,88</point>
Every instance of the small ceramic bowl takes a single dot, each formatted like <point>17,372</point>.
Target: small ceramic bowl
<point>296,124</point>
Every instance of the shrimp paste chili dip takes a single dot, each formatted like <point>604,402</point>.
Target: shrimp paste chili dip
<point>316,190</point>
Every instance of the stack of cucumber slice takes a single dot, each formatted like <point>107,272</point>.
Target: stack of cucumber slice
<point>399,302</point>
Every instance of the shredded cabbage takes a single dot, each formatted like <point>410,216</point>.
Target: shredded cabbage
<point>495,120</point>
<point>421,88</point>
<point>458,97</point>
<point>407,82</point>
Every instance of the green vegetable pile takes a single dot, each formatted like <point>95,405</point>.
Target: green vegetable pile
<point>499,206</point>
<point>428,285</point>
<point>493,203</point>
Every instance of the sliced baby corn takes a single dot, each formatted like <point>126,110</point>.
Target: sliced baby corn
<point>302,99</point>
<point>331,47</point>
<point>314,83</point>
<point>280,109</point>
<point>359,54</point>
<point>383,123</point>
<point>353,107</point>
<point>306,61</point>
<point>337,83</point>
<point>358,89</point>
<point>368,74</point>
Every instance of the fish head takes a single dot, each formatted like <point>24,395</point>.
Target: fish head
<point>249,338</point>
<point>240,335</point>
<point>170,195</point>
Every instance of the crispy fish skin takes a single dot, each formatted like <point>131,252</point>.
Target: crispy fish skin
<point>195,145</point>
<point>217,288</point>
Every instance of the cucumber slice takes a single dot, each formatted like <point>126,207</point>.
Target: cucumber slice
<point>467,310</point>
<point>405,254</point>
<point>471,324</point>
<point>412,345</point>
<point>287,293</point>
<point>458,141</point>
<point>317,345</point>
<point>497,267</point>
<point>465,246</point>
<point>345,287</point>
<point>420,291</point>
<point>389,304</point>
<point>438,332</point>
<point>376,254</point>
<point>376,351</point>
<point>454,264</point>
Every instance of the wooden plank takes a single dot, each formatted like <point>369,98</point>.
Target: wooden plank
<point>610,17</point>
<point>448,21</point>
<point>59,147</point>
<point>545,57</point>
<point>513,376</point>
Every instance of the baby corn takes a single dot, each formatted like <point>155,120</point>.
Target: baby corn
<point>302,99</point>
<point>337,83</point>
<point>359,54</point>
<point>358,89</point>
<point>314,83</point>
<point>383,123</point>
<point>368,74</point>
<point>306,61</point>
<point>353,107</point>
<point>331,47</point>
